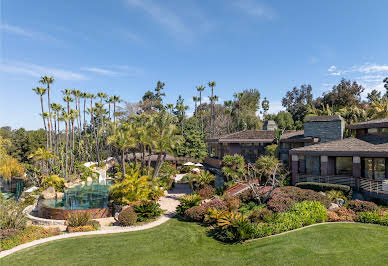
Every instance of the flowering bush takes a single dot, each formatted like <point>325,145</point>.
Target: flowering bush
<point>282,198</point>
<point>233,203</point>
<point>362,206</point>
<point>341,214</point>
<point>218,204</point>
<point>263,215</point>
<point>206,192</point>
<point>30,233</point>
<point>196,213</point>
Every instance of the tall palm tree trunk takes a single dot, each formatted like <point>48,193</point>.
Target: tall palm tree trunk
<point>44,122</point>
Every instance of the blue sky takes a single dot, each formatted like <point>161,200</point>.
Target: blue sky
<point>124,47</point>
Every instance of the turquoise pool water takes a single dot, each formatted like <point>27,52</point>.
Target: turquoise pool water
<point>94,196</point>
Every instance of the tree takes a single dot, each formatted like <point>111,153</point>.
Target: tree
<point>65,117</point>
<point>228,111</point>
<point>379,109</point>
<point>284,120</point>
<point>43,156</point>
<point>193,145</point>
<point>267,168</point>
<point>296,101</point>
<point>123,139</point>
<point>212,84</point>
<point>168,138</point>
<point>48,80</point>
<point>346,93</point>
<point>374,96</point>
<point>234,166</point>
<point>9,166</point>
<point>41,91</point>
<point>245,108</point>
<point>195,100</point>
<point>115,100</point>
<point>200,89</point>
<point>180,110</point>
<point>265,105</point>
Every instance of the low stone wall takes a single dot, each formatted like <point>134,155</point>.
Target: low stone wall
<point>61,214</point>
<point>49,222</point>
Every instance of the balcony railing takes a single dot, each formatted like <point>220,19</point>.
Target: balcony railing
<point>331,179</point>
<point>376,186</point>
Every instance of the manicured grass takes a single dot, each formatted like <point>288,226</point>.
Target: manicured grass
<point>181,243</point>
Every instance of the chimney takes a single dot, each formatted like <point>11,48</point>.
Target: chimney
<point>270,125</point>
<point>326,128</point>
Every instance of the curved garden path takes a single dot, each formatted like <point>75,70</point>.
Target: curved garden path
<point>168,203</point>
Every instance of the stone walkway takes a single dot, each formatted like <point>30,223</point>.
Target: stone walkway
<point>168,203</point>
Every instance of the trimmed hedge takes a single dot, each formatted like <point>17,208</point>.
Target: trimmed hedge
<point>374,217</point>
<point>347,190</point>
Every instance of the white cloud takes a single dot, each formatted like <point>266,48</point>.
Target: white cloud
<point>100,71</point>
<point>28,33</point>
<point>372,68</point>
<point>332,68</point>
<point>165,17</point>
<point>38,71</point>
<point>255,8</point>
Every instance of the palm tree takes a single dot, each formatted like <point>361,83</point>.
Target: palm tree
<point>200,89</point>
<point>102,96</point>
<point>180,111</point>
<point>115,99</point>
<point>84,96</point>
<point>228,111</point>
<point>170,107</point>
<point>56,109</point>
<point>48,80</point>
<point>43,155</point>
<point>212,84</point>
<point>239,97</point>
<point>379,109</point>
<point>73,116</point>
<point>65,118</point>
<point>109,102</point>
<point>168,138</point>
<point>195,99</point>
<point>123,139</point>
<point>41,91</point>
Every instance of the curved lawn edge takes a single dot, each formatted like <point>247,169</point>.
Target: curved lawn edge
<point>103,231</point>
<point>150,225</point>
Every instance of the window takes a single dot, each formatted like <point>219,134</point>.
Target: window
<point>384,130</point>
<point>313,165</point>
<point>379,168</point>
<point>368,167</point>
<point>374,168</point>
<point>343,165</point>
<point>372,130</point>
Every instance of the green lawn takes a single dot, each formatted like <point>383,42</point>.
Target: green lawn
<point>181,243</point>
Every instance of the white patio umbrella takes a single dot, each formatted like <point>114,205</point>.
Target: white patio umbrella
<point>196,170</point>
<point>189,164</point>
<point>198,164</point>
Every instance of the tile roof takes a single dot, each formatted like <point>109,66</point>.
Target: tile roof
<point>323,118</point>
<point>381,122</point>
<point>266,136</point>
<point>372,145</point>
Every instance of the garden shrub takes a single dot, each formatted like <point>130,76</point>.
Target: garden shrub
<point>374,217</point>
<point>362,206</point>
<point>147,210</point>
<point>11,215</point>
<point>8,233</point>
<point>246,196</point>
<point>310,212</point>
<point>250,207</point>
<point>261,215</point>
<point>30,233</point>
<point>127,217</point>
<point>282,198</point>
<point>83,228</point>
<point>218,204</point>
<point>232,203</point>
<point>341,214</point>
<point>58,183</point>
<point>232,227</point>
<point>79,219</point>
<point>325,187</point>
<point>186,202</point>
<point>196,213</point>
<point>206,192</point>
<point>335,194</point>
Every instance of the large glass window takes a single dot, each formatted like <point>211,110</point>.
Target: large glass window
<point>374,168</point>
<point>344,165</point>
<point>379,168</point>
<point>368,167</point>
<point>372,130</point>
<point>313,164</point>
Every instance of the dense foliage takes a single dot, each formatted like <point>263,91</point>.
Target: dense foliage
<point>326,187</point>
<point>127,217</point>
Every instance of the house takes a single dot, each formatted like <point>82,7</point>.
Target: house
<point>360,161</point>
<point>251,144</point>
